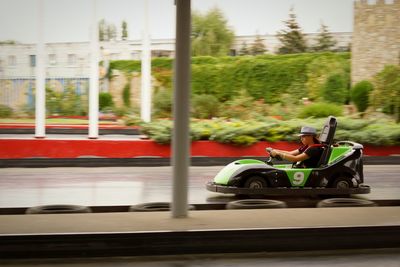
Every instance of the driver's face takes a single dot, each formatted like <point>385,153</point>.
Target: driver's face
<point>306,139</point>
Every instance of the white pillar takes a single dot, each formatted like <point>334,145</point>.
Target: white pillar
<point>40,102</point>
<point>94,76</point>
<point>181,141</point>
<point>145,101</point>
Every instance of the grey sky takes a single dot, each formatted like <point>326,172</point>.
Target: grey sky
<point>69,20</point>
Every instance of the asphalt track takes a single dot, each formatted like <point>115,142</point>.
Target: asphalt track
<point>121,186</point>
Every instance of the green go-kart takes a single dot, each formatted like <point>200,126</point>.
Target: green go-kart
<point>339,172</point>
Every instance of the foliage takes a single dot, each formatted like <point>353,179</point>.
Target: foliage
<point>360,95</point>
<point>386,94</point>
<point>124,27</point>
<point>258,46</point>
<point>211,34</point>
<point>292,38</point>
<point>105,101</point>
<point>244,50</point>
<point>162,104</point>
<point>126,95</point>
<point>325,40</point>
<point>5,111</point>
<point>204,106</point>
<point>107,31</point>
<point>66,102</point>
<point>321,110</point>
<point>335,89</point>
<point>321,67</point>
<point>247,132</point>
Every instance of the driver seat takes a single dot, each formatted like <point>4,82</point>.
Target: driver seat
<point>326,139</point>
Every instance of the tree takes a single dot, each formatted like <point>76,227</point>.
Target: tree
<point>211,35</point>
<point>360,95</point>
<point>244,50</point>
<point>124,30</point>
<point>107,31</point>
<point>292,38</point>
<point>335,89</point>
<point>258,47</point>
<point>386,94</point>
<point>325,40</point>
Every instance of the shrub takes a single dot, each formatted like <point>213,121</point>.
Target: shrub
<point>5,111</point>
<point>105,101</point>
<point>126,95</point>
<point>321,110</point>
<point>335,89</point>
<point>162,104</point>
<point>360,95</point>
<point>204,106</point>
<point>386,94</point>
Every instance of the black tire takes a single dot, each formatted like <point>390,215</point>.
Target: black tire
<point>154,206</point>
<point>255,182</point>
<point>58,209</point>
<point>256,204</point>
<point>343,182</point>
<point>345,202</point>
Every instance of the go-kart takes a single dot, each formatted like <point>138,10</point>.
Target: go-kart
<point>339,172</point>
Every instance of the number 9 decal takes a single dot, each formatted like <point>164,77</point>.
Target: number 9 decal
<point>298,178</point>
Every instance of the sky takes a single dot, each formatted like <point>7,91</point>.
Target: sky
<point>69,20</point>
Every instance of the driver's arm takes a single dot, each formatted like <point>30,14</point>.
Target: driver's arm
<point>292,158</point>
<point>293,152</point>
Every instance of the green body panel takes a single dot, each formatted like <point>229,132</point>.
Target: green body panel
<point>298,177</point>
<point>337,152</point>
<point>226,173</point>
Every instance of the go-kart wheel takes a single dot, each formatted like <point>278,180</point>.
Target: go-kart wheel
<point>255,182</point>
<point>256,204</point>
<point>344,182</point>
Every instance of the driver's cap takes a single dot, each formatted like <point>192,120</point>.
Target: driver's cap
<point>307,130</point>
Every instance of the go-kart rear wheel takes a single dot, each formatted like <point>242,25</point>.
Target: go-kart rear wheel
<point>255,182</point>
<point>343,182</point>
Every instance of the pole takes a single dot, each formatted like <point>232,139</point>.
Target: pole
<point>40,102</point>
<point>94,76</point>
<point>145,106</point>
<point>181,142</point>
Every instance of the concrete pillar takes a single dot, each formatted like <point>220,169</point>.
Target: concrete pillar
<point>145,103</point>
<point>40,102</point>
<point>181,141</point>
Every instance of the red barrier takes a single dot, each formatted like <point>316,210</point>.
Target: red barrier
<point>51,148</point>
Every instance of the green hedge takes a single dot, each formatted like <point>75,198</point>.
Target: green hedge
<point>266,77</point>
<point>238,132</point>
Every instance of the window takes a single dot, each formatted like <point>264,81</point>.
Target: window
<point>32,61</point>
<point>12,61</point>
<point>52,59</point>
<point>71,59</point>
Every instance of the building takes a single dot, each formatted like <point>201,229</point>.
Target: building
<point>68,62</point>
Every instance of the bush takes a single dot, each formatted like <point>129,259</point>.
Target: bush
<point>335,89</point>
<point>5,111</point>
<point>105,101</point>
<point>204,106</point>
<point>162,104</point>
<point>386,94</point>
<point>360,95</point>
<point>126,95</point>
<point>321,110</point>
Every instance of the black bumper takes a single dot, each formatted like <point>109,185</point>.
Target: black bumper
<point>292,191</point>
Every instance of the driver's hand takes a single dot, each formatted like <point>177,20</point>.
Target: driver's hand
<point>271,151</point>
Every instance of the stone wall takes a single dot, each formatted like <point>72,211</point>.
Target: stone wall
<point>376,37</point>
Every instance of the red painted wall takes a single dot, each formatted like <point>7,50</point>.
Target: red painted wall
<point>50,148</point>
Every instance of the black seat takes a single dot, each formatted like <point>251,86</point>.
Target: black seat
<point>326,138</point>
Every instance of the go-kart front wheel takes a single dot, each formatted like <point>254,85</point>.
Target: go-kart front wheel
<point>344,182</point>
<point>255,182</point>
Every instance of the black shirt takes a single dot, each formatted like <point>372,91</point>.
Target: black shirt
<point>314,153</point>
